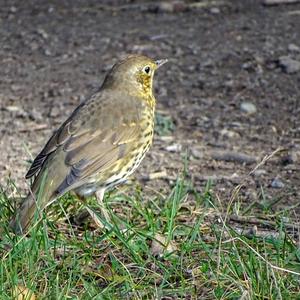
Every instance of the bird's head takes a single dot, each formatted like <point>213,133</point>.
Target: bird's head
<point>134,74</point>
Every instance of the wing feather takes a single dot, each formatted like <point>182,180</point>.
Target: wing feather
<point>92,143</point>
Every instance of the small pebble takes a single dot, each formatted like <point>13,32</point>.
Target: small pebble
<point>259,172</point>
<point>248,107</point>
<point>174,148</point>
<point>15,87</point>
<point>13,108</point>
<point>229,133</point>
<point>286,219</point>
<point>55,112</point>
<point>289,65</point>
<point>13,9</point>
<point>35,115</point>
<point>215,10</point>
<point>277,183</point>
<point>43,33</point>
<point>293,48</point>
<point>196,153</point>
<point>171,7</point>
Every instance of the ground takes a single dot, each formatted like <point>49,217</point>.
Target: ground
<point>53,56</point>
<point>228,97</point>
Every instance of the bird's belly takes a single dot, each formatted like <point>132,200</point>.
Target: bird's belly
<point>86,190</point>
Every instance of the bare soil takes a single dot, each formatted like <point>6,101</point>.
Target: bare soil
<point>222,55</point>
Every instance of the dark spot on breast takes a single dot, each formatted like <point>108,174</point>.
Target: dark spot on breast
<point>148,134</point>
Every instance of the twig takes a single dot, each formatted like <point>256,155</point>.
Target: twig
<point>234,194</point>
<point>233,156</point>
<point>155,175</point>
<point>255,233</point>
<point>256,221</point>
<point>277,2</point>
<point>205,4</point>
<point>294,12</point>
<point>260,256</point>
<point>163,6</point>
<point>266,158</point>
<point>249,220</point>
<point>249,233</point>
<point>34,128</point>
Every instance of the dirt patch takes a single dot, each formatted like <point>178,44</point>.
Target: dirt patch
<point>231,87</point>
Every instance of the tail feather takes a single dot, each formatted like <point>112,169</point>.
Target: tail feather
<point>25,213</point>
<point>42,193</point>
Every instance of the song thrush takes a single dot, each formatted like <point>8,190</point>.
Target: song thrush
<point>100,144</point>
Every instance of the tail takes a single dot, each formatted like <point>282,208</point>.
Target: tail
<point>42,194</point>
<point>25,214</point>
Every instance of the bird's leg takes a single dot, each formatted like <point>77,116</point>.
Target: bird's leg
<point>99,196</point>
<point>80,218</point>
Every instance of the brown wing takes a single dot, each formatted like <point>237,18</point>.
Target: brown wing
<point>54,142</point>
<point>98,134</point>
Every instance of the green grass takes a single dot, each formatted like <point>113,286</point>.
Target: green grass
<point>209,259</point>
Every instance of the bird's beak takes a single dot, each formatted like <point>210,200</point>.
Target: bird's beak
<point>160,62</point>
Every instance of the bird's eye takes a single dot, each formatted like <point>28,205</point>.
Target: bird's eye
<point>147,69</point>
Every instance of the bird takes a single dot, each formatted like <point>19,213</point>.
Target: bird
<point>100,144</point>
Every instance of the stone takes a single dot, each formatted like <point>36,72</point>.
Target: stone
<point>248,107</point>
<point>174,148</point>
<point>289,65</point>
<point>196,153</point>
<point>259,172</point>
<point>230,134</point>
<point>277,183</point>
<point>293,48</point>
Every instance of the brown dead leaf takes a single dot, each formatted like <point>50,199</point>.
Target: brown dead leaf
<point>160,245</point>
<point>23,293</point>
